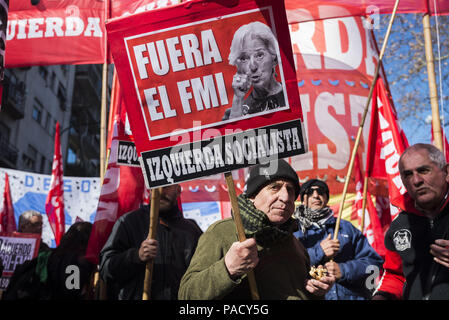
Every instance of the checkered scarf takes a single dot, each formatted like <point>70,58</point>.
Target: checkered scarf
<point>308,217</point>
<point>258,226</point>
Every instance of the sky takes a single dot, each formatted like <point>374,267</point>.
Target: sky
<point>401,54</point>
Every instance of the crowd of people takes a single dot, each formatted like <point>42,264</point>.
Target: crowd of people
<point>283,243</point>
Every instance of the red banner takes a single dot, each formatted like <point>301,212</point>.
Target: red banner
<point>55,32</point>
<point>319,9</point>
<point>54,204</point>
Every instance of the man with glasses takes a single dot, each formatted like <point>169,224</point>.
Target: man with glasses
<point>346,258</point>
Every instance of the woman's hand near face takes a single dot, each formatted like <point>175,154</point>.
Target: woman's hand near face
<point>241,84</point>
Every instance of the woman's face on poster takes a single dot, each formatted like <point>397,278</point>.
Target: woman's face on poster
<point>256,62</point>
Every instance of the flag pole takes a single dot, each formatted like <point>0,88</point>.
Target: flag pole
<point>359,133</point>
<point>104,87</point>
<point>438,139</point>
<point>154,220</point>
<point>240,230</point>
<point>98,282</point>
<point>365,191</point>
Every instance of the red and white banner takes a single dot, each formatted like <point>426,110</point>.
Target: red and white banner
<point>15,249</point>
<point>176,69</point>
<point>7,219</point>
<point>335,63</point>
<point>54,204</point>
<point>55,32</point>
<point>322,9</point>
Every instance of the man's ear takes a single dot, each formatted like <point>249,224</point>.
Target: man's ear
<point>305,197</point>
<point>446,171</point>
<point>178,190</point>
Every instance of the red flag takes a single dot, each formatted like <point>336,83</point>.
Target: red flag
<point>372,226</point>
<point>7,220</point>
<point>445,144</point>
<point>54,205</point>
<point>386,143</point>
<point>122,191</point>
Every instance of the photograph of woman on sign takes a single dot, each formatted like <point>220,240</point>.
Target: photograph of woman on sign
<point>254,51</point>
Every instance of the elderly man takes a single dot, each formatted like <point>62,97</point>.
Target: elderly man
<point>417,261</point>
<point>346,258</point>
<point>280,263</point>
<point>31,222</point>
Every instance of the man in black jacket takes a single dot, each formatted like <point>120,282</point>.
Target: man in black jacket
<point>420,238</point>
<point>126,252</point>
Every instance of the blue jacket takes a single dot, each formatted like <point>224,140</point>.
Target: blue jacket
<point>354,257</point>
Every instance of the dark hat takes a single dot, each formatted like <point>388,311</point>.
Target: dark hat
<point>311,183</point>
<point>262,174</point>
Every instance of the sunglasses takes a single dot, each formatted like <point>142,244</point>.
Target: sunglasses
<point>319,190</point>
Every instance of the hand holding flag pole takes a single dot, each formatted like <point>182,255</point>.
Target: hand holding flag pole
<point>154,219</point>
<point>359,133</point>
<point>240,230</point>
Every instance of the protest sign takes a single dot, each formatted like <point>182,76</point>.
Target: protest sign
<point>29,192</point>
<point>15,249</point>
<point>183,68</point>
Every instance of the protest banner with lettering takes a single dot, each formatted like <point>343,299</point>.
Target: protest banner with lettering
<point>177,67</point>
<point>55,32</point>
<point>29,192</point>
<point>15,249</point>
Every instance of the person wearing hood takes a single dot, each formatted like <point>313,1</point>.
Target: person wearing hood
<point>127,250</point>
<point>348,257</point>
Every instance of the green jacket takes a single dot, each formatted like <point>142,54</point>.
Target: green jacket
<point>280,274</point>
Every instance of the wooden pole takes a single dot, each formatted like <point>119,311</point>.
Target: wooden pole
<point>365,191</point>
<point>240,230</point>
<point>103,122</point>
<point>438,138</point>
<point>154,220</point>
<point>103,157</point>
<point>359,133</point>
<point>104,90</point>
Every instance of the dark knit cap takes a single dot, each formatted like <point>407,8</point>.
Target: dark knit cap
<point>311,183</point>
<point>262,174</point>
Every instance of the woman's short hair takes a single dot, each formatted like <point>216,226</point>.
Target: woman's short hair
<point>254,30</point>
<point>25,217</point>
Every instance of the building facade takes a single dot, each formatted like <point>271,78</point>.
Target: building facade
<point>33,100</point>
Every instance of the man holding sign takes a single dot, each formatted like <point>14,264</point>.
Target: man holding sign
<point>280,262</point>
<point>123,258</point>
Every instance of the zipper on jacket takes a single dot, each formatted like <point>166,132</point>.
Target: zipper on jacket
<point>433,268</point>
